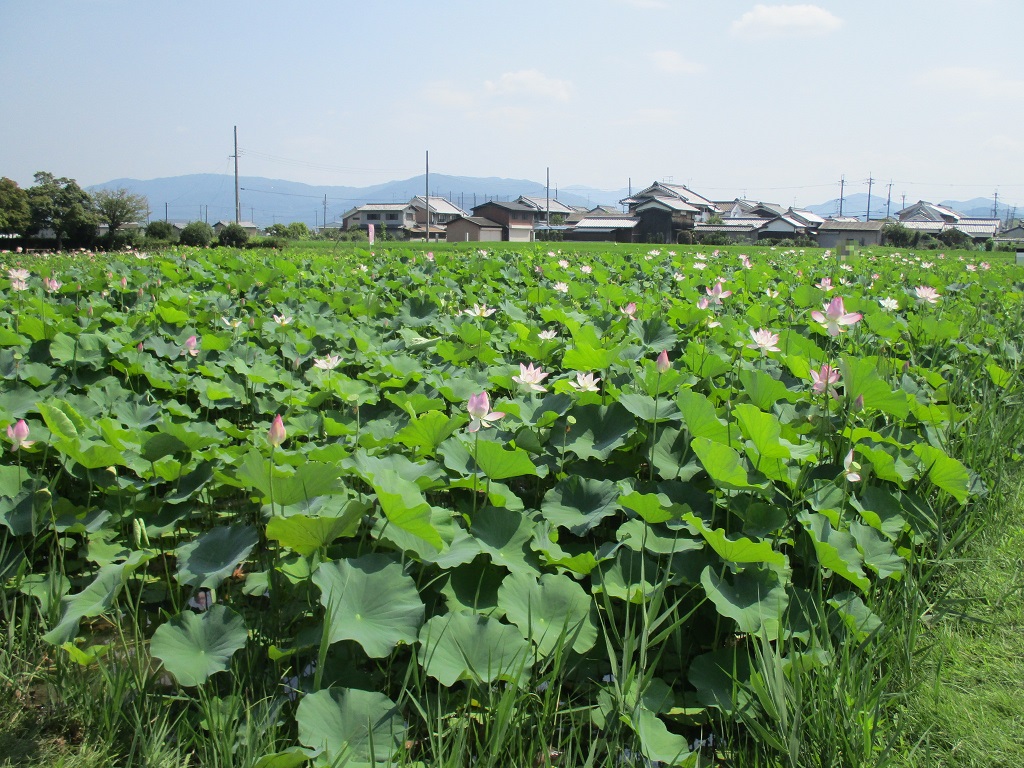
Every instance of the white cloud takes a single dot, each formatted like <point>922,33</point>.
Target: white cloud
<point>530,82</point>
<point>785,20</point>
<point>973,81</point>
<point>674,63</point>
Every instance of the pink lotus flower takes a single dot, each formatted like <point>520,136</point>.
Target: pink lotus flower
<point>17,274</point>
<point>629,310</point>
<point>851,469</point>
<point>927,294</point>
<point>823,379</point>
<point>564,264</point>
<point>662,363</point>
<point>282,319</point>
<point>18,435</point>
<point>703,302</point>
<point>52,285</point>
<point>547,335</point>
<point>764,340</point>
<point>825,284</point>
<point>586,269</point>
<point>19,285</point>
<point>191,346</point>
<point>276,434</point>
<point>561,287</point>
<point>481,415</point>
<point>585,382</point>
<point>836,316</point>
<point>716,294</point>
<point>530,378</point>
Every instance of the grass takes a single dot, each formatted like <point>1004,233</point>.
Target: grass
<point>967,709</point>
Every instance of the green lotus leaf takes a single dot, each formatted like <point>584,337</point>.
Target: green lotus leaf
<point>308,480</point>
<point>552,611</point>
<point>369,599</point>
<point>860,379</point>
<point>700,417</point>
<point>211,557</point>
<point>656,539</point>
<point>859,619</point>
<point>95,599</point>
<point>755,598</point>
<point>629,576</point>
<point>763,390</point>
<point>763,430</point>
<point>427,431</point>
<point>649,409</point>
<point>498,464</point>
<point>720,678</point>
<point>307,535</point>
<point>657,742</point>
<point>579,503</point>
<point>195,646</point>
<point>878,551</point>
<point>738,549</point>
<point>723,464</point>
<point>504,535</point>
<point>945,472</point>
<point>405,507</point>
<point>347,725</point>
<point>467,646</point>
<point>836,550</point>
<point>598,430</point>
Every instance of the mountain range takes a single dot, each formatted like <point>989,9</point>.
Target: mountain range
<point>211,197</point>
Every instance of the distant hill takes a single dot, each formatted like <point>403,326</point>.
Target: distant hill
<point>856,205</point>
<point>266,201</point>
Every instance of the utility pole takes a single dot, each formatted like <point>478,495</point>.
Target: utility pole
<point>888,201</point>
<point>842,191</point>
<point>238,204</point>
<point>870,182</point>
<point>165,213</point>
<point>252,215</point>
<point>995,205</point>
<point>904,200</point>
<point>426,198</point>
<point>325,210</point>
<point>547,199</point>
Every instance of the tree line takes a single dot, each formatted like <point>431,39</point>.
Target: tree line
<point>61,206</point>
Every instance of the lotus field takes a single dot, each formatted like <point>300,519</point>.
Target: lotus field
<point>376,505</point>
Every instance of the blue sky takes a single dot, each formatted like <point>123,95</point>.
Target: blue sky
<point>771,100</point>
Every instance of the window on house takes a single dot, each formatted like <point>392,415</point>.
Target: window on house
<point>392,217</point>
<point>373,217</point>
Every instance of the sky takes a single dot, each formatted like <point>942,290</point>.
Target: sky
<point>775,101</point>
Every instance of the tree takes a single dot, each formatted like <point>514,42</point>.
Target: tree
<point>233,235</point>
<point>897,235</point>
<point>298,230</point>
<point>63,206</point>
<point>15,214</point>
<point>117,207</point>
<point>197,233</point>
<point>159,230</point>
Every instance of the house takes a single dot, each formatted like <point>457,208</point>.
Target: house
<point>250,228</point>
<point>473,229</point>
<point>667,210</point>
<point>834,233</point>
<point>543,206</point>
<point>619,229</point>
<point>580,212</point>
<point>736,228</point>
<point>516,219</point>
<point>442,211</point>
<point>395,219</point>
<point>922,210</point>
<point>1014,235</point>
<point>930,219</point>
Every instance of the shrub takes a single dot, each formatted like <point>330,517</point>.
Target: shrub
<point>160,230</point>
<point>197,233</point>
<point>897,235</point>
<point>280,243</point>
<point>713,238</point>
<point>954,238</point>
<point>233,236</point>
<point>120,239</point>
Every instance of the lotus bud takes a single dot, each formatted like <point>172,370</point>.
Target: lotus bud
<point>662,363</point>
<point>858,404</point>
<point>276,435</point>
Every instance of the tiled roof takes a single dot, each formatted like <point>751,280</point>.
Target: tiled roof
<point>607,222</point>
<point>480,221</point>
<point>506,206</point>
<point>851,226</point>
<point>544,204</point>
<point>671,203</point>
<point>382,207</point>
<point>438,205</point>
